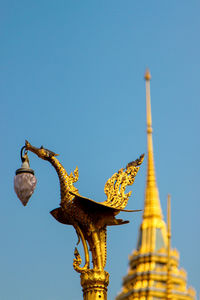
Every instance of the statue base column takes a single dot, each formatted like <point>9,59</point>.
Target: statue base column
<point>94,284</point>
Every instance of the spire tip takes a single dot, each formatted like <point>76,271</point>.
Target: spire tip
<point>147,75</point>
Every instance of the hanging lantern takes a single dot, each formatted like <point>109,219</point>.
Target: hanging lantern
<point>24,181</point>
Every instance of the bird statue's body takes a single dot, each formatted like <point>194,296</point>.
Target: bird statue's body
<point>90,218</point>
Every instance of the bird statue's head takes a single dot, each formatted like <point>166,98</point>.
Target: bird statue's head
<point>41,152</point>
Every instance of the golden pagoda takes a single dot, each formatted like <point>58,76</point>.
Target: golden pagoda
<point>154,271</point>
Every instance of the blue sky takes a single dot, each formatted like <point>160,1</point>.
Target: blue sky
<point>72,80</point>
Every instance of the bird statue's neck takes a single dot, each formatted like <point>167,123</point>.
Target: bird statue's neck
<point>66,181</point>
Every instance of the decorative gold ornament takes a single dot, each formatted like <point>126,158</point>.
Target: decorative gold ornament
<point>90,218</point>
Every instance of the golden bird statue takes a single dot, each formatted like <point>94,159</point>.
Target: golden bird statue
<point>88,217</point>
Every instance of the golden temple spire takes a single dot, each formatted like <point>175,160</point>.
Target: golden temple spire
<point>154,266</point>
<point>153,234</point>
<point>152,206</point>
<point>168,283</point>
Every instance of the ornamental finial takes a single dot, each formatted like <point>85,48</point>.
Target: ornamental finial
<point>147,75</point>
<point>152,206</point>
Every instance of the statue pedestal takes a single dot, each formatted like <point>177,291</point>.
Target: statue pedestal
<point>94,284</point>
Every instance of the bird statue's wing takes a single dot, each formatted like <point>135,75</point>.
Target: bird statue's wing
<point>116,185</point>
<point>94,205</point>
<point>115,190</point>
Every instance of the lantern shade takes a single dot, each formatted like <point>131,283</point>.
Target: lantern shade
<point>24,185</point>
